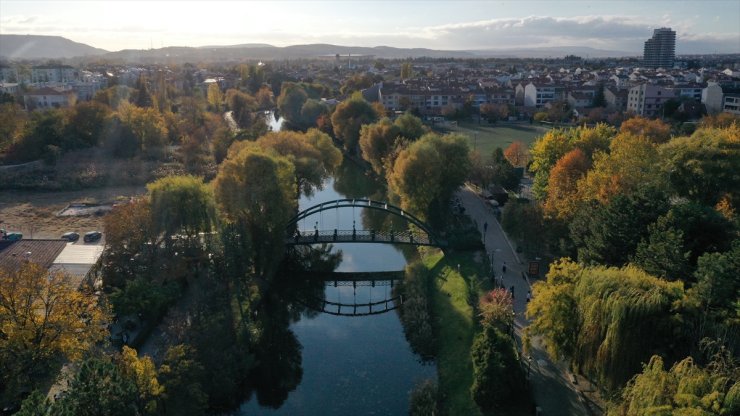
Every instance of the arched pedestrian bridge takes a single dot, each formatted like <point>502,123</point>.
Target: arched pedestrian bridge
<point>423,236</point>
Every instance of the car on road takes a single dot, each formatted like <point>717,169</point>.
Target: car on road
<point>70,236</point>
<point>92,236</point>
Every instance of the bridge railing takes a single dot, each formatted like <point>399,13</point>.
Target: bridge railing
<point>360,236</point>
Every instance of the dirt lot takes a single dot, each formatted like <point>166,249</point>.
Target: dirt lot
<point>35,213</point>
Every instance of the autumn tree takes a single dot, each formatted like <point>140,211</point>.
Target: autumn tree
<point>356,83</point>
<point>348,118</point>
<point>180,376</point>
<point>562,184</point>
<point>255,188</point>
<point>656,131</point>
<point>215,97</point>
<point>427,173</point>
<point>142,371</point>
<point>494,112</point>
<point>411,126</point>
<point>13,119</point>
<point>517,154</point>
<point>147,127</point>
<point>502,172</point>
<point>377,142</point>
<point>264,98</point>
<point>142,98</point>
<point>43,315</point>
<point>407,71</point>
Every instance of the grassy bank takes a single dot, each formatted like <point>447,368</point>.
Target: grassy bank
<point>455,327</point>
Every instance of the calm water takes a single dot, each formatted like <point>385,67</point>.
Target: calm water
<point>352,365</point>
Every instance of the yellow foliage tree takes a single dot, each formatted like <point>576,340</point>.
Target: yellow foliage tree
<point>43,315</point>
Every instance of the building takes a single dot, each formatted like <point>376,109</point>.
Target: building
<point>660,50</point>
<point>731,104</point>
<point>54,74</point>
<point>537,95</point>
<point>711,97</point>
<point>616,100</point>
<point>49,98</point>
<point>647,100</point>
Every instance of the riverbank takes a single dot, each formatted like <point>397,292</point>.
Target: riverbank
<point>455,327</point>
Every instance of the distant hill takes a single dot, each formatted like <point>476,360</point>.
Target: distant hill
<point>552,52</point>
<point>269,52</point>
<point>43,47</point>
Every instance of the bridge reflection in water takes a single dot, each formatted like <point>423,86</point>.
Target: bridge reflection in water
<point>353,307</point>
<point>360,236</point>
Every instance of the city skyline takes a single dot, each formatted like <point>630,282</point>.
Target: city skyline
<point>706,27</point>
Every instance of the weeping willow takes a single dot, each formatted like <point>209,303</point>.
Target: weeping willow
<point>611,321</point>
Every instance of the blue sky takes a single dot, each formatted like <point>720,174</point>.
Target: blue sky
<point>701,26</point>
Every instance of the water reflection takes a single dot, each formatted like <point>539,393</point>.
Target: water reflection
<point>337,365</point>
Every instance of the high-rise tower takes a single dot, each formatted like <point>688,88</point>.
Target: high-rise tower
<point>660,50</point>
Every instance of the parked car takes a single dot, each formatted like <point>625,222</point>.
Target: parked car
<point>70,236</point>
<point>12,236</point>
<point>92,236</point>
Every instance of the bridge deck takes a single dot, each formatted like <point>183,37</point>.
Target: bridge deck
<point>360,236</point>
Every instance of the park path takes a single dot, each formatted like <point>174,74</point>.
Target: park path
<point>551,383</point>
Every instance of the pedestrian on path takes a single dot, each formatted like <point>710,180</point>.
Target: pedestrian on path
<point>511,289</point>
<point>529,295</point>
<point>503,268</point>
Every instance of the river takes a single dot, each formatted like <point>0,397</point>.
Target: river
<point>360,365</point>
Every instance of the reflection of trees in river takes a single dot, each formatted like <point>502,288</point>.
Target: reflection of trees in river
<point>353,182</point>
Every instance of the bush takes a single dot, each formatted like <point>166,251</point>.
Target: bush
<point>424,399</point>
<point>146,297</point>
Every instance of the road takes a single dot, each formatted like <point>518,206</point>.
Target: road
<point>553,391</point>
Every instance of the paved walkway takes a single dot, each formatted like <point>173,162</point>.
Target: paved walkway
<point>553,391</point>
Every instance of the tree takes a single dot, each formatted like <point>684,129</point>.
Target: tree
<point>411,127</point>
<point>562,184</point>
<point>494,112</point>
<point>606,321</point>
<point>662,253</point>
<point>356,83</point>
<point>717,288</point>
<point>497,309</point>
<point>13,119</point>
<point>312,153</point>
<point>147,126</point>
<point>242,105</point>
<point>181,205</point>
<point>311,111</point>
<point>517,154</point>
<point>264,98</point>
<point>377,142</point>
<point>348,118</point>
<point>215,97</point>
<point>656,131</point>
<point>407,71</point>
<point>43,315</point>
<point>180,375</point>
<point>142,97</point>
<point>503,172</point>
<point>701,167</point>
<point>427,173</point>
<point>497,375</point>
<point>99,388</point>
<point>85,125</point>
<point>256,189</point>
<point>291,100</point>
<point>144,375</point>
<point>685,389</point>
<point>609,234</point>
<point>45,128</point>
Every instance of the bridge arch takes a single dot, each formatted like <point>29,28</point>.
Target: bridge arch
<point>371,204</point>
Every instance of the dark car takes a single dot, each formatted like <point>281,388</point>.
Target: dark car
<point>92,236</point>
<point>71,236</point>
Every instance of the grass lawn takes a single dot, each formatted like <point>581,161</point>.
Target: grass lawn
<point>455,328</point>
<point>487,137</point>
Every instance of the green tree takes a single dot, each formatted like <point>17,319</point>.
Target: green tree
<point>503,172</point>
<point>311,111</point>
<point>411,126</point>
<point>44,129</point>
<point>606,321</point>
<point>85,125</point>
<point>100,389</point>
<point>497,375</point>
<point>181,205</point>
<point>685,389</point>
<point>180,375</point>
<point>701,167</point>
<point>13,119</point>
<point>291,100</point>
<point>348,118</point>
<point>243,106</point>
<point>610,234</point>
<point>662,253</point>
<point>256,189</point>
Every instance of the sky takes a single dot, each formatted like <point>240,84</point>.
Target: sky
<point>705,26</point>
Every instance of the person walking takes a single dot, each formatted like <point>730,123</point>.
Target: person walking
<point>503,268</point>
<point>529,295</point>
